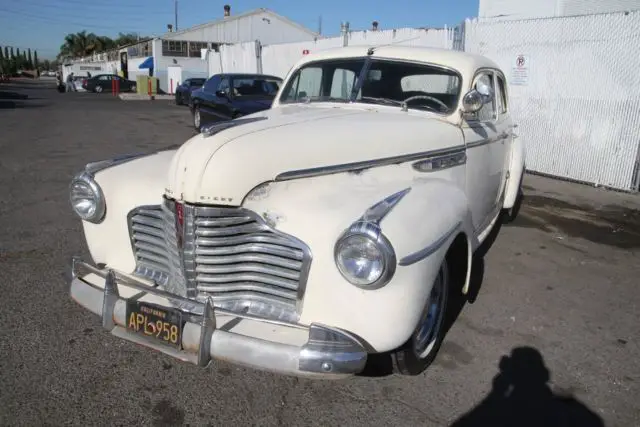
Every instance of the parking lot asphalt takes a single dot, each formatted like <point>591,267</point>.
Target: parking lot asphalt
<point>553,328</point>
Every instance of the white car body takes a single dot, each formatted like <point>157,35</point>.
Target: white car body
<point>305,172</point>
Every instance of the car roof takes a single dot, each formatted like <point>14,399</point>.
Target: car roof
<point>267,76</point>
<point>464,62</point>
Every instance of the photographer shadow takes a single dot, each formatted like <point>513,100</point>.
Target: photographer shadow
<point>521,396</point>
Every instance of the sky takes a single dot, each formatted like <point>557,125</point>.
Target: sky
<point>42,24</point>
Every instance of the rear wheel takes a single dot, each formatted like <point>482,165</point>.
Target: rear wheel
<point>98,89</point>
<point>133,88</point>
<point>421,349</point>
<point>178,99</point>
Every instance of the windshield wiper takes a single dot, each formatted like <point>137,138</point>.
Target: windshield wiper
<point>386,101</point>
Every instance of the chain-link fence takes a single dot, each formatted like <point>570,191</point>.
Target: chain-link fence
<point>574,92</point>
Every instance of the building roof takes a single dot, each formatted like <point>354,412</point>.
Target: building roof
<point>239,16</point>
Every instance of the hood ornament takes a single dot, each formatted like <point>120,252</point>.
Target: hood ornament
<point>215,128</point>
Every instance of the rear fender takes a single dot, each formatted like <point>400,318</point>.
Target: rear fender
<point>516,172</point>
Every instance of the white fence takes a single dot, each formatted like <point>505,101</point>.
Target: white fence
<point>576,98</point>
<point>277,59</point>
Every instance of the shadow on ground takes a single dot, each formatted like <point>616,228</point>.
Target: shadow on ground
<point>10,99</point>
<point>611,225</point>
<point>521,396</point>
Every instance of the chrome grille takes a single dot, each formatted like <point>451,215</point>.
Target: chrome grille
<point>229,254</point>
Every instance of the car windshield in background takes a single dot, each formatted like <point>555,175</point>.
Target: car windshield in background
<point>386,83</point>
<point>250,87</point>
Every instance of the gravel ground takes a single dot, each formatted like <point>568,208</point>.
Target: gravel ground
<point>552,330</point>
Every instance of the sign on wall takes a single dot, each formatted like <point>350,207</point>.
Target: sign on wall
<point>520,70</point>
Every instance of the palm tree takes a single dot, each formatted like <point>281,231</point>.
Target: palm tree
<point>79,44</point>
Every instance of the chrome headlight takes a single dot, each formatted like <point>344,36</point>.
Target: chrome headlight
<point>365,257</point>
<point>87,198</point>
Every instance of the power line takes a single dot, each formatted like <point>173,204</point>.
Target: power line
<point>103,8</point>
<point>56,21</point>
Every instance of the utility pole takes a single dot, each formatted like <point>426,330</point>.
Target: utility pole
<point>320,25</point>
<point>175,3</point>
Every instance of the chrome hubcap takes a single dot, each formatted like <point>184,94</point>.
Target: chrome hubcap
<point>424,339</point>
<point>196,118</point>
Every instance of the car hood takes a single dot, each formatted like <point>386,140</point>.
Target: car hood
<point>238,155</point>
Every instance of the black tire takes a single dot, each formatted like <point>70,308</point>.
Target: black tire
<point>197,119</point>
<point>411,358</point>
<point>179,99</point>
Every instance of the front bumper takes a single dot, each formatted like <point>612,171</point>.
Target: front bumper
<point>328,352</point>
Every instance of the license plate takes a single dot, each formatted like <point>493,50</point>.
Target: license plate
<point>158,323</point>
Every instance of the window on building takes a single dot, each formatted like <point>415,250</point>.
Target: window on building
<point>174,48</point>
<point>195,48</point>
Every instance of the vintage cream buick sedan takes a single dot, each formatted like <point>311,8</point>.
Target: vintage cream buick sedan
<point>304,238</point>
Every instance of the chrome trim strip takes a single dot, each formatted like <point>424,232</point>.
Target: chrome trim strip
<point>95,167</point>
<point>377,212</point>
<point>482,142</point>
<point>214,128</point>
<point>357,166</point>
<point>427,251</point>
<point>441,163</point>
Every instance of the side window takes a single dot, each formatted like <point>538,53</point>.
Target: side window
<point>211,85</point>
<point>104,78</point>
<point>488,110</point>
<point>306,83</point>
<point>224,85</point>
<point>501,95</point>
<point>342,83</point>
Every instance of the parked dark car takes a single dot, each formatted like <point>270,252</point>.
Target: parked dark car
<point>103,83</point>
<point>228,96</point>
<point>183,91</point>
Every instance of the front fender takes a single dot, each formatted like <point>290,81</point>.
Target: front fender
<point>317,210</point>
<point>135,183</point>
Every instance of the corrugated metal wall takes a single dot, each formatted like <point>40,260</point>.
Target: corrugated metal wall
<point>577,102</point>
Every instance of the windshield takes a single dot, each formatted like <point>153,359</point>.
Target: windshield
<point>387,82</point>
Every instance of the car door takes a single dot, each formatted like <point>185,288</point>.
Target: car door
<point>480,134</point>
<point>223,104</point>
<point>501,150</point>
<point>205,99</point>
<point>104,82</point>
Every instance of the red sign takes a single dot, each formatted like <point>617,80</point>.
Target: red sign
<point>305,52</point>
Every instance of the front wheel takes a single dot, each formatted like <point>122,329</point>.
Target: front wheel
<point>419,352</point>
<point>98,89</point>
<point>196,118</point>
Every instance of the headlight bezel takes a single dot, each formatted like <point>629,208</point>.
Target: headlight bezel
<point>99,213</point>
<point>373,233</point>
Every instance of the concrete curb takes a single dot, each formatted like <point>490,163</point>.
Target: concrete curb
<point>138,97</point>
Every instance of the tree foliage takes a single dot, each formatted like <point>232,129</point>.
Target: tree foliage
<point>11,62</point>
<point>81,44</point>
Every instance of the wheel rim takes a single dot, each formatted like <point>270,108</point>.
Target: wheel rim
<point>196,118</point>
<point>428,330</point>
<point>99,89</point>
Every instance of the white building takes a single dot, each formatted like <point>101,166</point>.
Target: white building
<point>184,48</point>
<point>520,9</point>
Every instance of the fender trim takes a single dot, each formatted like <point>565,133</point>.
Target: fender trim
<point>433,247</point>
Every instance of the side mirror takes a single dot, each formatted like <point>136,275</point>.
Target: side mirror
<point>473,100</point>
<point>221,94</point>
